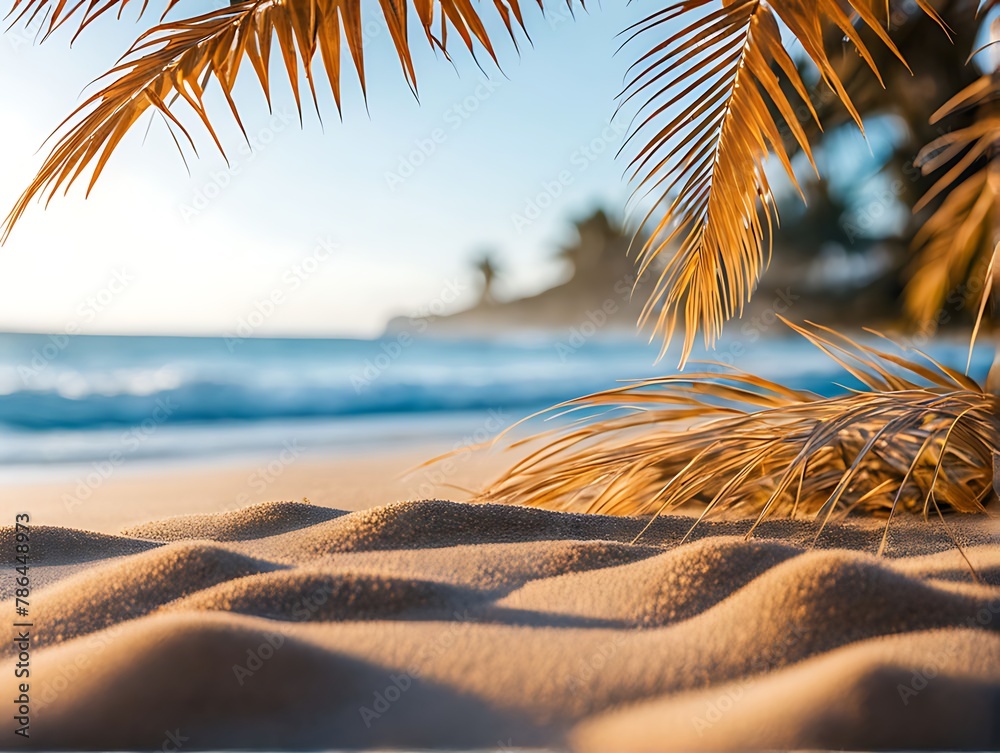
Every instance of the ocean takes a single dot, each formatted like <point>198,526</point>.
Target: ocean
<point>71,401</point>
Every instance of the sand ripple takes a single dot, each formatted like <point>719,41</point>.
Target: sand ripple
<point>433,624</point>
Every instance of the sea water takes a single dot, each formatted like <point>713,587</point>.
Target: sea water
<point>71,401</point>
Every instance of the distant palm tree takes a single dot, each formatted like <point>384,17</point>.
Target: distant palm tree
<point>716,95</point>
<point>487,268</point>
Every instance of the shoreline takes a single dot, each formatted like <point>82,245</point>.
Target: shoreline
<point>342,480</point>
<point>208,600</point>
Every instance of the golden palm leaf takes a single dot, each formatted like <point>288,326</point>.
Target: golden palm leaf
<point>709,160</point>
<point>706,120</point>
<point>957,247</point>
<point>921,437</point>
<point>53,14</point>
<point>176,60</point>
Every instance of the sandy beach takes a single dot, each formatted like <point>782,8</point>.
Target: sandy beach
<point>434,375</point>
<point>346,481</point>
<point>167,619</point>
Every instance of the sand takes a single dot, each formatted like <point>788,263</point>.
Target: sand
<point>134,493</point>
<point>437,624</point>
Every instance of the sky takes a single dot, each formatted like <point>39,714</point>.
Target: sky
<point>343,223</point>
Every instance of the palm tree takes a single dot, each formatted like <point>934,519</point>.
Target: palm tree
<point>488,269</point>
<point>716,94</point>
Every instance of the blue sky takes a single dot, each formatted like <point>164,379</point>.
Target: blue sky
<point>348,222</point>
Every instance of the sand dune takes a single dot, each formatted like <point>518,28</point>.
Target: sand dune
<point>131,587</point>
<point>342,596</point>
<point>65,546</point>
<point>267,519</point>
<point>435,624</point>
<point>849,698</point>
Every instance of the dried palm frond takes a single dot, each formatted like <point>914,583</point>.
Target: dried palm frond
<point>53,14</point>
<point>177,60</point>
<point>725,66</point>
<point>957,247</point>
<point>920,438</point>
<point>708,127</point>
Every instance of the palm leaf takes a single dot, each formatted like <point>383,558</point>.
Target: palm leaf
<point>960,242</point>
<point>707,126</point>
<point>176,60</point>
<point>56,13</point>
<point>919,437</point>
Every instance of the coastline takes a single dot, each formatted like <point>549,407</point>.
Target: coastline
<point>341,480</point>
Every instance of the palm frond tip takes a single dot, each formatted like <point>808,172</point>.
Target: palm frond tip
<point>176,61</point>
<point>920,438</point>
<point>706,125</point>
<point>957,247</point>
<point>50,15</point>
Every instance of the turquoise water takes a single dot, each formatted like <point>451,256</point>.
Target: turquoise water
<point>75,400</point>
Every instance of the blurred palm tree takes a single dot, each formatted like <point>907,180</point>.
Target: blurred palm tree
<point>719,88</point>
<point>903,107</point>
<point>487,268</point>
